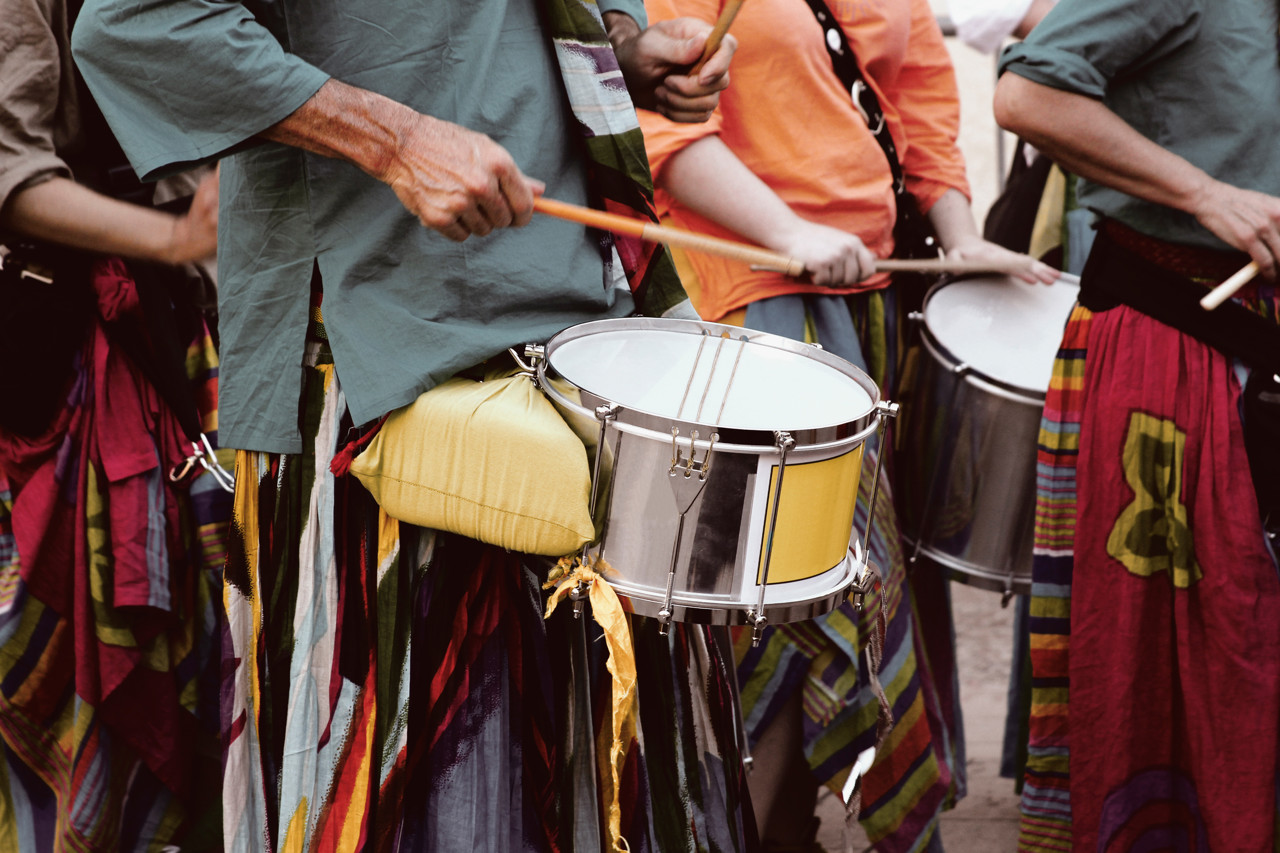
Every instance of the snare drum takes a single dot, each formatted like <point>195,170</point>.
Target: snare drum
<point>702,434</point>
<point>969,436</point>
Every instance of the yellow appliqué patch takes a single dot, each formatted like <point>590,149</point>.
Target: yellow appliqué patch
<point>1152,535</point>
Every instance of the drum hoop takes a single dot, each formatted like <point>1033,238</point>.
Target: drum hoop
<point>1007,390</point>
<point>746,440</point>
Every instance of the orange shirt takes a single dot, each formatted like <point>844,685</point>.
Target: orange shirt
<point>789,119</point>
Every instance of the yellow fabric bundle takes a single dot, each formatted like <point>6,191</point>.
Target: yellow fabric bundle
<point>490,460</point>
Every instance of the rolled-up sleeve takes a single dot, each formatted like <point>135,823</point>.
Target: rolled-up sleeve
<point>634,8</point>
<point>30,82</point>
<point>186,81</point>
<point>1081,47</point>
<point>925,96</point>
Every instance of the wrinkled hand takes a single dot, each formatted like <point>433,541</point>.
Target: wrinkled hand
<point>1247,220</point>
<point>457,181</point>
<point>1021,266</point>
<point>195,234</point>
<point>655,62</point>
<point>830,256</point>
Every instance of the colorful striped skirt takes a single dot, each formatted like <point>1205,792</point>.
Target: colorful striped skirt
<point>919,769</point>
<point>1155,634</point>
<point>392,688</point>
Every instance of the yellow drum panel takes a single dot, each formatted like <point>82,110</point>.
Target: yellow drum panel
<point>815,517</point>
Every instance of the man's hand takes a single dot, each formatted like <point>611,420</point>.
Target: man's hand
<point>654,63</point>
<point>456,181</point>
<point>195,233</point>
<point>1248,220</point>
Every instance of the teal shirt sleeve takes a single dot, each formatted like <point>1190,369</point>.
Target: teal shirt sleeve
<point>634,8</point>
<point>1082,45</point>
<point>186,81</point>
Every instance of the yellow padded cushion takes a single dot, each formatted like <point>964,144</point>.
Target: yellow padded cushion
<point>490,460</point>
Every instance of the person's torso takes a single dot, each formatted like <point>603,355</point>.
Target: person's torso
<point>405,307</point>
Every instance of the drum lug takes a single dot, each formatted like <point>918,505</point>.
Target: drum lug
<point>758,622</point>
<point>863,581</point>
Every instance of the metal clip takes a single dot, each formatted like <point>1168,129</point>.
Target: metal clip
<point>578,595</point>
<point>206,457</point>
<point>691,465</point>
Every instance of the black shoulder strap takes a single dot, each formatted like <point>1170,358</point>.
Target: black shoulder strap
<point>864,97</point>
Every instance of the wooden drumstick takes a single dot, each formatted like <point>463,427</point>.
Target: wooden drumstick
<point>941,266</point>
<point>753,255</point>
<point>717,33</point>
<point>1224,291</point>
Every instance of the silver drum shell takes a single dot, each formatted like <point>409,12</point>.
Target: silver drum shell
<point>636,517</point>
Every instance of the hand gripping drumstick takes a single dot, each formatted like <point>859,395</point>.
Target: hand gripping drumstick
<point>1224,291</point>
<point>717,33</point>
<point>753,255</point>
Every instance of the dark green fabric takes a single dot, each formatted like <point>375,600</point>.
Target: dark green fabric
<point>1199,77</point>
<point>191,80</point>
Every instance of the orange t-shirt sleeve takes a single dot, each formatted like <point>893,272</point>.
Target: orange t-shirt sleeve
<point>927,99</point>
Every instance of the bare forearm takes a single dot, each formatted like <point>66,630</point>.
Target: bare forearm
<point>1090,140</point>
<point>710,180</point>
<point>347,123</point>
<point>952,219</point>
<point>69,214</point>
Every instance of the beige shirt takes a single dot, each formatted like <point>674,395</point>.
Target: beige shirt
<point>39,109</point>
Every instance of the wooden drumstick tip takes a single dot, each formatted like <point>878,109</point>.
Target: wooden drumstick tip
<point>1227,289</point>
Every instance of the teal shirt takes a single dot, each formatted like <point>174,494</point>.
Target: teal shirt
<point>1200,78</point>
<point>190,81</point>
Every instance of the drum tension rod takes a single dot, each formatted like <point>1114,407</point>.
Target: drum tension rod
<point>605,414</point>
<point>755,617</point>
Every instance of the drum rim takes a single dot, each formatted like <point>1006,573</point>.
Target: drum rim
<point>852,432</point>
<point>1019,393</point>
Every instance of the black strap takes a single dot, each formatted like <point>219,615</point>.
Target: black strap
<point>1114,275</point>
<point>912,235</point>
<point>864,97</point>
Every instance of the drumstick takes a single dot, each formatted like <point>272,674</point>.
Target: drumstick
<point>717,33</point>
<point>630,226</point>
<point>942,266</point>
<point>1223,292</point>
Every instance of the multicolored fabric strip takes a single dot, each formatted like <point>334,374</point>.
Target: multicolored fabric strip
<point>1153,624</point>
<point>618,171</point>
<point>109,614</point>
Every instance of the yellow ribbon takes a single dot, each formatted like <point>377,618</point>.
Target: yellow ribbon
<point>608,612</point>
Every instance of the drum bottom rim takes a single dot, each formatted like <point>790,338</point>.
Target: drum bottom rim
<point>725,610</point>
<point>970,574</point>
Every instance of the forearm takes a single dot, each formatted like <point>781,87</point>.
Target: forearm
<point>348,123</point>
<point>69,214</point>
<point>1087,138</point>
<point>710,180</point>
<point>952,219</point>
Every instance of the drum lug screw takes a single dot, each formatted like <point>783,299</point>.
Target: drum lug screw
<point>664,621</point>
<point>758,623</point>
<point>578,595</point>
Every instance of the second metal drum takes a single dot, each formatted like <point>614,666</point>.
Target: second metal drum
<point>968,447</point>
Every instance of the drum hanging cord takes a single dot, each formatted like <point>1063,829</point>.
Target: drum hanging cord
<point>569,573</point>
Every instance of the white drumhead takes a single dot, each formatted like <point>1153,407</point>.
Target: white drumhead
<point>1003,328</point>
<point>649,370</point>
